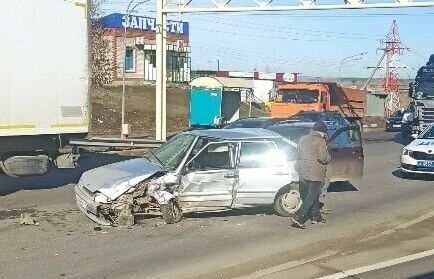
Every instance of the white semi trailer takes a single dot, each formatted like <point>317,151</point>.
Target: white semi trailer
<point>44,83</point>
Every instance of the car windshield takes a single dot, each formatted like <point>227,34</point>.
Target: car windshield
<point>427,134</point>
<point>292,133</point>
<point>300,96</point>
<point>425,74</point>
<point>398,114</point>
<point>170,154</point>
<point>425,91</point>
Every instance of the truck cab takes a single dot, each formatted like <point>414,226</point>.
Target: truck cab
<point>422,94</point>
<point>295,97</point>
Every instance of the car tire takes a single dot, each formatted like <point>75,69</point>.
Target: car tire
<point>286,204</point>
<point>172,212</point>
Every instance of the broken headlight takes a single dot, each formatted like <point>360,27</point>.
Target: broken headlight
<point>100,198</point>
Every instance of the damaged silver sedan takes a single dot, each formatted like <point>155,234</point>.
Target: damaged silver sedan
<point>194,171</point>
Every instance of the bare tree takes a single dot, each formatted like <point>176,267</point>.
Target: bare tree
<point>99,47</point>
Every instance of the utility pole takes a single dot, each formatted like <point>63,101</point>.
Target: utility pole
<point>161,82</point>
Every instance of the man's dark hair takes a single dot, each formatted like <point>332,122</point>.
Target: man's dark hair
<point>320,127</point>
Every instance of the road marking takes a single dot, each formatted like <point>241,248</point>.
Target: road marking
<point>284,266</point>
<point>381,265</point>
<point>402,226</point>
<point>343,274</point>
<point>417,220</point>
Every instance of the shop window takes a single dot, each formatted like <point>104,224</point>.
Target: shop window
<point>130,60</point>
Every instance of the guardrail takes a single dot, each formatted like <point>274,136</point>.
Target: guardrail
<point>116,143</point>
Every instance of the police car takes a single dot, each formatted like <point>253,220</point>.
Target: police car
<point>418,156</point>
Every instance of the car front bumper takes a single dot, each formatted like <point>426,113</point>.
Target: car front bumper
<point>88,206</point>
<point>409,164</point>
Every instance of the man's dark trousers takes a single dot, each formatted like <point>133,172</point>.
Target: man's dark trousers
<point>310,192</point>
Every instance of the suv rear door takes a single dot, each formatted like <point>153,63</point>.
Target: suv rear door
<point>347,155</point>
<point>263,170</point>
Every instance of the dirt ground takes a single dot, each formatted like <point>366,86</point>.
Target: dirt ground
<point>140,110</point>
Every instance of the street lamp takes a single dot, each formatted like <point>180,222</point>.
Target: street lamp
<point>127,20</point>
<point>346,59</point>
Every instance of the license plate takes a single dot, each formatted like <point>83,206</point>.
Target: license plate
<point>396,126</point>
<point>425,164</point>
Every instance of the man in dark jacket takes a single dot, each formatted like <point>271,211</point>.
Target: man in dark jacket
<point>313,158</point>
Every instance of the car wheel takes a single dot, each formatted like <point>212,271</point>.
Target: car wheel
<point>286,204</point>
<point>171,211</point>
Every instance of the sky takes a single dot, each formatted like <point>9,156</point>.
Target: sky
<point>313,43</point>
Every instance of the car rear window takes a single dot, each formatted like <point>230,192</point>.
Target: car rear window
<point>291,132</point>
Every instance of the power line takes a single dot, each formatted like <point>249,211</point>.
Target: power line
<point>257,51</point>
<point>255,35</point>
<point>219,21</point>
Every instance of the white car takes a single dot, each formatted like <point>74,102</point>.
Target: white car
<point>418,156</point>
<point>199,170</point>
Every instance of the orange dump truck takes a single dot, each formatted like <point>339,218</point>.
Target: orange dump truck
<point>292,98</point>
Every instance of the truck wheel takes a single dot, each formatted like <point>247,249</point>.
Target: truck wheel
<point>171,211</point>
<point>286,204</point>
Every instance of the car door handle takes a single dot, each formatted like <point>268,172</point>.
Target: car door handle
<point>281,173</point>
<point>231,176</point>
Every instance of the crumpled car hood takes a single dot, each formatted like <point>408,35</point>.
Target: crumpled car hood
<point>115,179</point>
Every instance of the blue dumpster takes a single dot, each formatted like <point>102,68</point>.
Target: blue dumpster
<point>215,100</point>
<point>205,106</point>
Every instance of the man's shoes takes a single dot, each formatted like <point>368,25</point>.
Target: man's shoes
<point>325,210</point>
<point>320,220</point>
<point>297,224</point>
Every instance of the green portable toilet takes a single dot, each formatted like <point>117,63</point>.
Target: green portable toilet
<point>215,100</point>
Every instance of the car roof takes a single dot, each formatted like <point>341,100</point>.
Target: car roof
<point>301,124</point>
<point>253,119</point>
<point>236,134</point>
<point>317,112</point>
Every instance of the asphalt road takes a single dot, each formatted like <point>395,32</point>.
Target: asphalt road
<point>417,269</point>
<point>235,244</point>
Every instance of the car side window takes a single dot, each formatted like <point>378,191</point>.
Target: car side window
<point>254,154</point>
<point>214,156</point>
<point>260,154</point>
<point>200,143</point>
<point>287,150</point>
<point>347,138</point>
